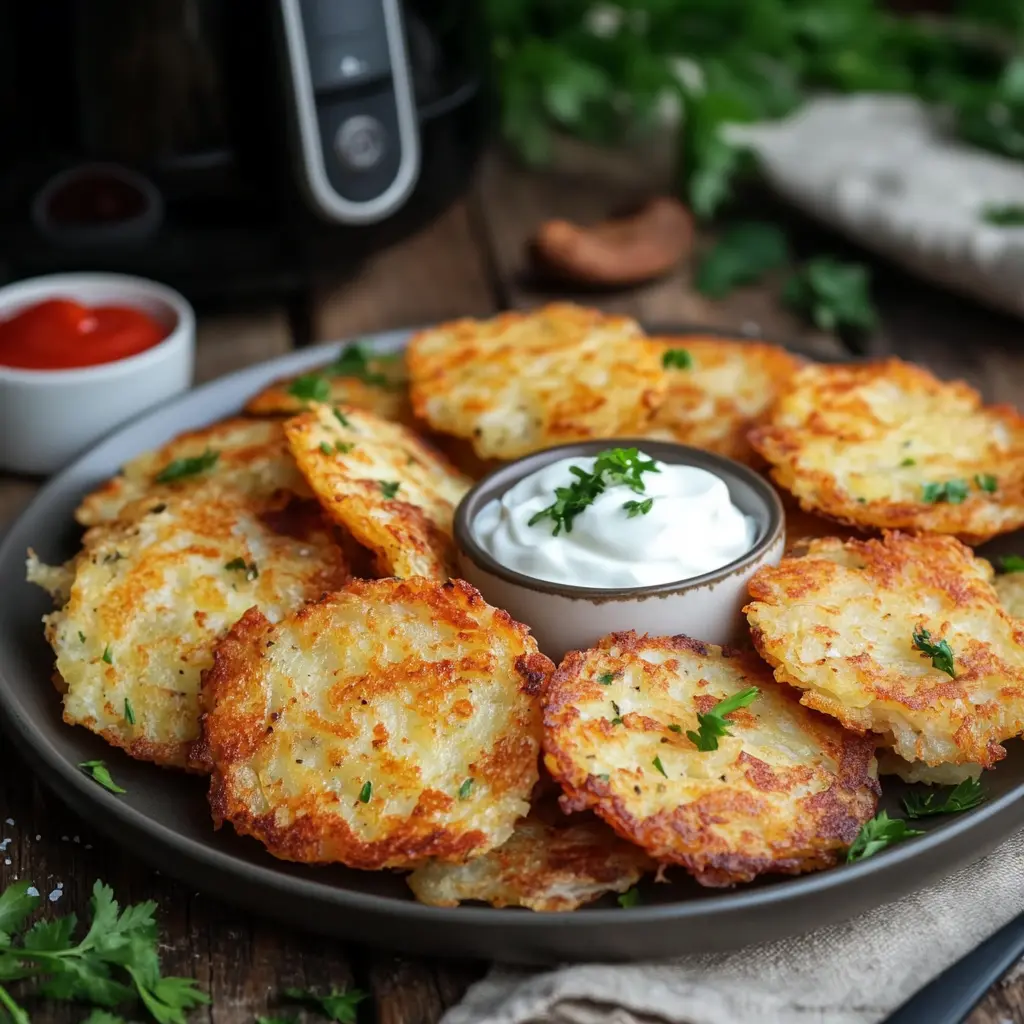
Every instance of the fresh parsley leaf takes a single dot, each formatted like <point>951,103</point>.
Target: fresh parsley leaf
<point>108,655</point>
<point>16,1013</point>
<point>81,637</point>
<point>341,417</point>
<point>675,727</point>
<point>962,797</point>
<point>239,564</point>
<point>638,508</point>
<point>1011,563</point>
<point>940,653</point>
<point>616,720</point>
<point>878,833</point>
<point>630,898</point>
<point>179,469</point>
<point>275,1020</point>
<point>676,359</point>
<point>129,712</point>
<point>1003,215</point>
<point>389,488</point>
<point>99,771</point>
<point>614,466</point>
<point>832,295</point>
<point>104,1017</point>
<point>713,724</point>
<point>366,792</point>
<point>326,448</point>
<point>908,461</point>
<point>15,906</point>
<point>661,768</point>
<point>353,362</point>
<point>742,255</point>
<point>986,482</point>
<point>606,678</point>
<point>339,1004</point>
<point>953,491</point>
<point>465,789</point>
<point>310,387</point>
<point>343,447</point>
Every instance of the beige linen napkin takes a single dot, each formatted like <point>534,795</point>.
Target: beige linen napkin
<point>852,973</point>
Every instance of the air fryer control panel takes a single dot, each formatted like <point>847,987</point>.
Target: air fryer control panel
<point>357,138</point>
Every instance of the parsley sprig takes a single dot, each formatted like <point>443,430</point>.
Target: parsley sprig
<point>179,469</point>
<point>615,466</point>
<point>115,963</point>
<point>954,492</point>
<point>1011,563</point>
<point>339,1004</point>
<point>940,653</point>
<point>310,387</point>
<point>713,723</point>
<point>354,362</point>
<point>963,797</point>
<point>878,833</point>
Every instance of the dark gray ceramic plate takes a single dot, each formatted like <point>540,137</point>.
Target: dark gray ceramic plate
<point>164,818</point>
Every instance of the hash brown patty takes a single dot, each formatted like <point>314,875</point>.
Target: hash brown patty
<point>887,445</point>
<point>520,382</point>
<point>152,592</point>
<point>389,723</point>
<point>542,867</point>
<point>844,623</point>
<point>786,793</point>
<point>394,494</point>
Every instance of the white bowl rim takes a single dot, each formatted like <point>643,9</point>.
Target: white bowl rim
<point>50,285</point>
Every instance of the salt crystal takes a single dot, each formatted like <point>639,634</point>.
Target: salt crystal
<point>7,861</point>
<point>31,891</point>
<point>38,838</point>
<point>60,885</point>
<point>75,839</point>
<point>10,821</point>
<point>63,839</point>
<point>4,844</point>
<point>55,895</point>
<point>88,846</point>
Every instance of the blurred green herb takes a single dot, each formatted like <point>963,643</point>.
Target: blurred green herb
<point>743,254</point>
<point>832,295</point>
<point>962,797</point>
<point>1004,215</point>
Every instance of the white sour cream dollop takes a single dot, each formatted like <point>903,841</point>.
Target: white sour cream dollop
<point>692,528</point>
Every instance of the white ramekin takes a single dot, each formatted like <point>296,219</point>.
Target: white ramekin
<point>49,416</point>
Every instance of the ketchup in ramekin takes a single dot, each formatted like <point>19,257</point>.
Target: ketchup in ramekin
<point>60,334</point>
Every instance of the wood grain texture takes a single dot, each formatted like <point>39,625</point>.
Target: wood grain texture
<point>471,261</point>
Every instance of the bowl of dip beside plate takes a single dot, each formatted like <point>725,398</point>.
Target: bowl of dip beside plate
<point>566,616</point>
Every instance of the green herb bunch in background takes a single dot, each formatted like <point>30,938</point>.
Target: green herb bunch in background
<point>607,73</point>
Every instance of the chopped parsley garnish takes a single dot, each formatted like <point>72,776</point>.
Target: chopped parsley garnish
<point>952,491</point>
<point>675,727</point>
<point>1003,215</point>
<point>616,720</point>
<point>114,961</point>
<point>606,678</point>
<point>465,789</point>
<point>986,482</point>
<point>878,833</point>
<point>341,417</point>
<point>908,461</point>
<point>940,653</point>
<point>604,777</point>
<point>81,636</point>
<point>129,712</point>
<point>353,362</point>
<point>638,508</point>
<point>343,447</point>
<point>326,448</point>
<point>615,466</point>
<point>99,771</point>
<point>108,655</point>
<point>676,359</point>
<point>661,768</point>
<point>389,488</point>
<point>178,469</point>
<point>241,565</point>
<point>962,797</point>
<point>714,724</point>
<point>311,387</point>
<point>630,898</point>
<point>1011,563</point>
<point>366,792</point>
<point>340,1005</point>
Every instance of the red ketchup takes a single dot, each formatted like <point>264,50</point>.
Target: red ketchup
<point>59,334</point>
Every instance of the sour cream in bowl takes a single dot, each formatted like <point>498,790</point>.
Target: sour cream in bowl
<point>587,539</point>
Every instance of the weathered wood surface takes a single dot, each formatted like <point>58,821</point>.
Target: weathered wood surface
<point>469,262</point>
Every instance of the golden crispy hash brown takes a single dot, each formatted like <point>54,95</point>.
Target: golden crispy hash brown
<point>890,763</point>
<point>525,381</point>
<point>395,495</point>
<point>886,444</point>
<point>839,623</point>
<point>786,793</point>
<point>153,591</point>
<point>724,389</point>
<point>243,456</point>
<point>1010,588</point>
<point>542,867</point>
<point>389,723</point>
<point>357,377</point>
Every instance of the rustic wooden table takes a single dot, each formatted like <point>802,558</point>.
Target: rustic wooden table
<point>469,262</point>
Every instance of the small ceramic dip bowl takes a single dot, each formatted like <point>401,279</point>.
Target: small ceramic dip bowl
<point>564,617</point>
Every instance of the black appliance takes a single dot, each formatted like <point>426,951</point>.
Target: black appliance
<point>228,146</point>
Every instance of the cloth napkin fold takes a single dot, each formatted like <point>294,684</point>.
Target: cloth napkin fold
<point>852,973</point>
